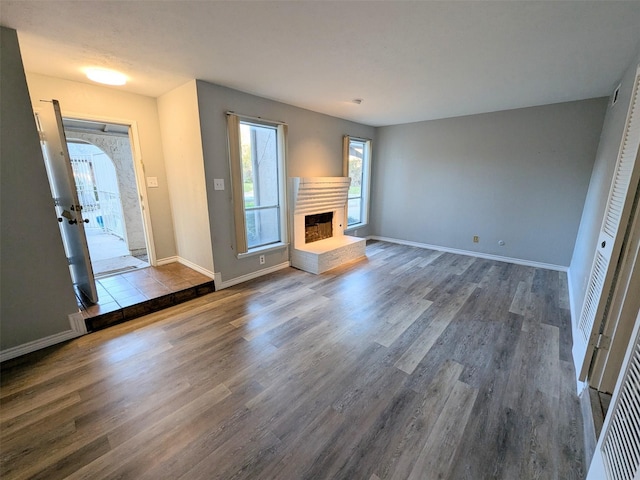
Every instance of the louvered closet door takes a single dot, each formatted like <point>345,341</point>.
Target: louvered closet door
<point>617,455</point>
<point>609,242</point>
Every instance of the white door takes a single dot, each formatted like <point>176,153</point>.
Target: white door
<point>609,242</point>
<point>63,189</point>
<point>617,455</point>
<point>621,314</point>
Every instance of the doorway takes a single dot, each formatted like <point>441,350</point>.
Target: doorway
<point>102,163</point>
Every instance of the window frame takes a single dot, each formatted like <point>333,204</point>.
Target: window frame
<point>234,122</point>
<point>366,179</point>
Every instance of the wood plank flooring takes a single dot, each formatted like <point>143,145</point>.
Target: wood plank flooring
<point>410,364</point>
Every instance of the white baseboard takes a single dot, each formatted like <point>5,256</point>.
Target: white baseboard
<point>190,264</point>
<point>487,256</point>
<point>581,386</point>
<point>250,276</point>
<point>195,267</point>
<point>166,260</point>
<point>76,320</point>
<point>78,328</point>
<point>574,318</point>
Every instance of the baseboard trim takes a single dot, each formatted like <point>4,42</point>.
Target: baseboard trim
<point>78,328</point>
<point>249,276</point>
<point>580,385</point>
<point>76,320</point>
<point>166,260</point>
<point>571,297</point>
<point>197,268</point>
<point>487,256</point>
<point>589,430</point>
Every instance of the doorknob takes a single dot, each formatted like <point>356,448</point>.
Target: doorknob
<point>603,244</point>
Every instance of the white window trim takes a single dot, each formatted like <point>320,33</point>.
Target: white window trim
<point>237,190</point>
<point>366,179</point>
<point>263,249</point>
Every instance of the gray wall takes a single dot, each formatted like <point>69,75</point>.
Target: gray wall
<point>519,175</point>
<point>314,149</point>
<point>36,293</point>
<point>598,192</point>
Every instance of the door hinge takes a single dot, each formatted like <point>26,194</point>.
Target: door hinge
<point>600,341</point>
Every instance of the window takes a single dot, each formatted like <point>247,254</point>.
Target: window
<point>357,165</point>
<point>256,150</point>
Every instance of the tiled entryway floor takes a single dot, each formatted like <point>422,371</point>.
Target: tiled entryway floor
<point>133,294</point>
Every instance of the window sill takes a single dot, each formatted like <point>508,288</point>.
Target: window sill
<point>352,228</point>
<point>265,249</point>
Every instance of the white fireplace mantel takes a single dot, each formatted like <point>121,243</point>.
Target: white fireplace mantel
<point>319,194</point>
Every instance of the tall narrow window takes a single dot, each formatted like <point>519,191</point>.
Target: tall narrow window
<point>257,165</point>
<point>357,165</point>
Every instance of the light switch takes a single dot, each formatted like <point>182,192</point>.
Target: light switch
<point>218,183</point>
<point>152,182</point>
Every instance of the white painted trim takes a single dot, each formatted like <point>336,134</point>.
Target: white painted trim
<point>580,386</point>
<point>191,265</point>
<point>195,267</point>
<point>166,260</point>
<point>78,325</point>
<point>78,328</point>
<point>138,167</point>
<point>572,306</point>
<point>250,276</point>
<point>266,249</point>
<point>488,256</point>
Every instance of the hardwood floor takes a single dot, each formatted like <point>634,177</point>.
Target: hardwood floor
<point>411,364</point>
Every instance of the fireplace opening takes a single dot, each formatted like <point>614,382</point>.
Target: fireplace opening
<point>318,227</point>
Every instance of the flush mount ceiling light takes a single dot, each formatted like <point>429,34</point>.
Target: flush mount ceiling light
<point>106,76</point>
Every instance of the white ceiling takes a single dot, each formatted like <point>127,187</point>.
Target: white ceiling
<point>408,61</point>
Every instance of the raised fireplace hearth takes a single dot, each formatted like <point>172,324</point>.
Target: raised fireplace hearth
<point>318,218</point>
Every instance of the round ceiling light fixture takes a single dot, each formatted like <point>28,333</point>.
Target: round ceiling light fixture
<point>106,76</point>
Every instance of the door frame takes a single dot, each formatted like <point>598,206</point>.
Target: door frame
<point>138,166</point>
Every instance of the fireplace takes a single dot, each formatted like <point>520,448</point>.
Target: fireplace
<point>318,227</point>
<point>318,221</point>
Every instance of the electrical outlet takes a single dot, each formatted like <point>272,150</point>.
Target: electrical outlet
<point>218,183</point>
<point>476,239</point>
<point>262,260</point>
